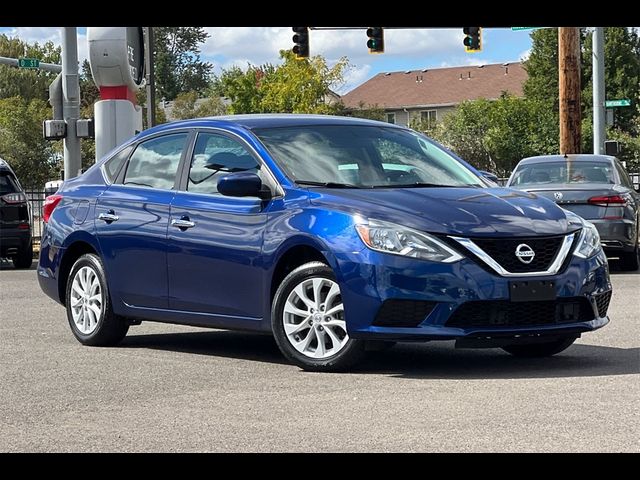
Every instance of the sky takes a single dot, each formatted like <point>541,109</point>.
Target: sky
<point>405,49</point>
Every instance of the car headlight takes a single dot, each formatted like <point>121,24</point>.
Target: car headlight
<point>391,238</point>
<point>588,242</point>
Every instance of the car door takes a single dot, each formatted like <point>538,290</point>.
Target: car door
<point>215,241</point>
<point>132,217</point>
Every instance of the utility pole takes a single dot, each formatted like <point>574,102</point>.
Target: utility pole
<point>151,79</point>
<point>71,102</point>
<point>599,132</point>
<point>569,83</point>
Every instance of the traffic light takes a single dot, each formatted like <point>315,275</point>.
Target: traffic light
<point>473,39</point>
<point>376,39</point>
<point>301,41</point>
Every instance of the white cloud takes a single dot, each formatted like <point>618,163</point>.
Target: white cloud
<point>47,34</point>
<point>353,77</point>
<point>525,55</point>
<point>262,44</point>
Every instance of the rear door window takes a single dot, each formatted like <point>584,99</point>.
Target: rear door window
<point>155,162</point>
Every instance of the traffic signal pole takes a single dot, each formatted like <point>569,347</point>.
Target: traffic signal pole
<point>71,102</point>
<point>151,79</point>
<point>569,84</point>
<point>599,132</point>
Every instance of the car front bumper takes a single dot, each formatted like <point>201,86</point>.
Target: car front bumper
<point>369,278</point>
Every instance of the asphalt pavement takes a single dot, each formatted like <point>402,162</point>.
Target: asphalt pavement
<point>170,388</point>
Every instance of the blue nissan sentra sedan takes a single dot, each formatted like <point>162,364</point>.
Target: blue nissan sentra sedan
<point>338,235</point>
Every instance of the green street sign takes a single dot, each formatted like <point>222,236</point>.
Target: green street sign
<point>28,63</point>
<point>524,28</point>
<point>624,102</point>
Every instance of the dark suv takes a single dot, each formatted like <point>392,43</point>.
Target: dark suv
<point>15,229</point>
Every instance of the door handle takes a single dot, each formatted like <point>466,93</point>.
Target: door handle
<point>108,217</point>
<point>183,223</point>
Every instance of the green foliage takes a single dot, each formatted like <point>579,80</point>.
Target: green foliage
<point>622,75</point>
<point>630,148</point>
<point>34,159</point>
<point>371,112</point>
<point>542,67</point>
<point>496,135</point>
<point>184,107</point>
<point>178,67</point>
<point>26,83</point>
<point>295,86</point>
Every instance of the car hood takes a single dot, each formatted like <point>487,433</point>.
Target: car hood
<point>454,211</point>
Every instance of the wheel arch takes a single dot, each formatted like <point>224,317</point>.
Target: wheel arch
<point>78,245</point>
<point>293,255</point>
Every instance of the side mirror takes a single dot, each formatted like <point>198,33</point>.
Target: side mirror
<point>243,184</point>
<point>490,176</point>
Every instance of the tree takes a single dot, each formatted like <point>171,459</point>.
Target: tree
<point>301,86</point>
<point>621,72</point>
<point>542,67</point>
<point>371,112</point>
<point>22,82</point>
<point>178,67</point>
<point>496,135</point>
<point>34,159</point>
<point>242,87</point>
<point>185,106</point>
<point>622,75</point>
<point>295,86</point>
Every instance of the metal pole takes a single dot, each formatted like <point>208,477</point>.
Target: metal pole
<point>151,80</point>
<point>70,102</point>
<point>569,83</point>
<point>599,132</point>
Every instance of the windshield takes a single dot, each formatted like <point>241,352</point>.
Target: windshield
<point>538,174</point>
<point>363,157</point>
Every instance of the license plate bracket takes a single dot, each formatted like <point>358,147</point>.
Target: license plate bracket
<point>532,290</point>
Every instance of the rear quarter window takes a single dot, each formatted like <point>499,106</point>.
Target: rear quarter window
<point>7,183</point>
<point>114,164</point>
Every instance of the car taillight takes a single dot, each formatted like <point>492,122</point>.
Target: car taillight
<point>50,203</point>
<point>606,200</point>
<point>18,197</point>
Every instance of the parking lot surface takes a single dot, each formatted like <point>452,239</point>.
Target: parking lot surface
<point>172,388</point>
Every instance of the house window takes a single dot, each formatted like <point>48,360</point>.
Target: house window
<point>429,117</point>
<point>391,118</point>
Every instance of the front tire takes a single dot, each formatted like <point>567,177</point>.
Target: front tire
<point>88,304</point>
<point>538,350</point>
<point>308,321</point>
<point>24,258</point>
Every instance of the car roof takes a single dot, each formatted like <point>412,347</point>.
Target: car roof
<point>583,157</point>
<point>4,166</point>
<point>271,120</point>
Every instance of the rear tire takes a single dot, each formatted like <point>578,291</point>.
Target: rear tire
<point>630,262</point>
<point>24,258</point>
<point>538,350</point>
<point>311,332</point>
<point>88,304</point>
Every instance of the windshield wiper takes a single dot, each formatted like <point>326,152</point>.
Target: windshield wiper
<point>326,184</point>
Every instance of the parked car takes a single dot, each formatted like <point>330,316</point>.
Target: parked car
<point>52,187</point>
<point>335,234</point>
<point>596,187</point>
<point>15,215</point>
